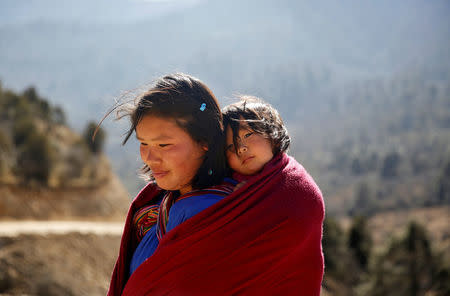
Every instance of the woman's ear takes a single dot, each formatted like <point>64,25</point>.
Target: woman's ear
<point>205,147</point>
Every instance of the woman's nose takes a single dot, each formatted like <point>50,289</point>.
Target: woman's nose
<point>150,156</point>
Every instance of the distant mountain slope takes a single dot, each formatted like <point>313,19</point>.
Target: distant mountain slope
<point>382,144</point>
<point>48,171</point>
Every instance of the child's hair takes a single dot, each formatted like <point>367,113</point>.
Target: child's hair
<point>261,117</point>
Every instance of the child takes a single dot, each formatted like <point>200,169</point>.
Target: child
<point>256,141</point>
<point>255,133</point>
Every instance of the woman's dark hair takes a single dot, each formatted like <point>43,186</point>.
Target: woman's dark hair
<point>195,109</point>
<point>261,117</point>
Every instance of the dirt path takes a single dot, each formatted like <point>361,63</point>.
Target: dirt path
<point>15,228</point>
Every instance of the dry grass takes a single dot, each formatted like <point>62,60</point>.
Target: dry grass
<point>107,202</point>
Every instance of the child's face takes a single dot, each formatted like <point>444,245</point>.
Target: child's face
<point>253,153</point>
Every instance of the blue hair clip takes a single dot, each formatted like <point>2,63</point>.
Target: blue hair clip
<point>210,172</point>
<point>203,107</point>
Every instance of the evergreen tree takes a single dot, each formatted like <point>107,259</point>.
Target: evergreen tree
<point>23,128</point>
<point>360,241</point>
<point>58,115</point>
<point>364,202</point>
<point>31,94</point>
<point>5,150</point>
<point>95,144</point>
<point>332,244</point>
<point>407,268</point>
<point>338,261</point>
<point>390,165</point>
<point>35,159</point>
<point>443,190</point>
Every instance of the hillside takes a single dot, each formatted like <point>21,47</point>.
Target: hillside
<point>380,145</point>
<point>48,171</point>
<point>108,201</point>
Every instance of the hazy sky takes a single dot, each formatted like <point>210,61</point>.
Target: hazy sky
<point>85,11</point>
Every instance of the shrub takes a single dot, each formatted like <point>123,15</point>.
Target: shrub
<point>58,116</point>
<point>390,165</point>
<point>332,244</point>
<point>5,150</point>
<point>443,185</point>
<point>95,145</point>
<point>23,129</point>
<point>35,159</point>
<point>407,268</point>
<point>31,95</point>
<point>360,241</point>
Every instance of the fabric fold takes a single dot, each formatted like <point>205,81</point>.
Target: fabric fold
<point>264,238</point>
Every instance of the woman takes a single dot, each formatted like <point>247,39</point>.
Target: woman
<point>178,123</point>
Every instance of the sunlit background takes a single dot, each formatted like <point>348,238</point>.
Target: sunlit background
<point>363,86</point>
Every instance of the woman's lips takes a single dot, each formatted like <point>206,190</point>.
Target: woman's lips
<point>159,174</point>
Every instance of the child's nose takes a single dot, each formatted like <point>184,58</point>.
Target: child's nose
<point>242,149</point>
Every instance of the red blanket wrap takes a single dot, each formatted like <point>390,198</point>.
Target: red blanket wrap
<point>263,239</point>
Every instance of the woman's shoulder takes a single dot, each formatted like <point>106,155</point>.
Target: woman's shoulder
<point>192,203</point>
<point>207,196</point>
<point>150,194</point>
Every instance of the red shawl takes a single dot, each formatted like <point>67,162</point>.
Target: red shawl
<point>263,239</point>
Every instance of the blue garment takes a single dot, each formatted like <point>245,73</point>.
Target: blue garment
<point>178,213</point>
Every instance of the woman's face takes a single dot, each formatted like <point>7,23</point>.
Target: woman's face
<point>170,152</point>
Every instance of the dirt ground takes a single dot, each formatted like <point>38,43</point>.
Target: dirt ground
<point>60,241</point>
<point>16,228</point>
<point>58,265</point>
<point>70,264</point>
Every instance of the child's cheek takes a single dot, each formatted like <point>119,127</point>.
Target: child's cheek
<point>229,157</point>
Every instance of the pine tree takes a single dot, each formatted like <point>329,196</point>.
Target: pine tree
<point>35,160</point>
<point>95,144</point>
<point>360,241</point>
<point>407,268</point>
